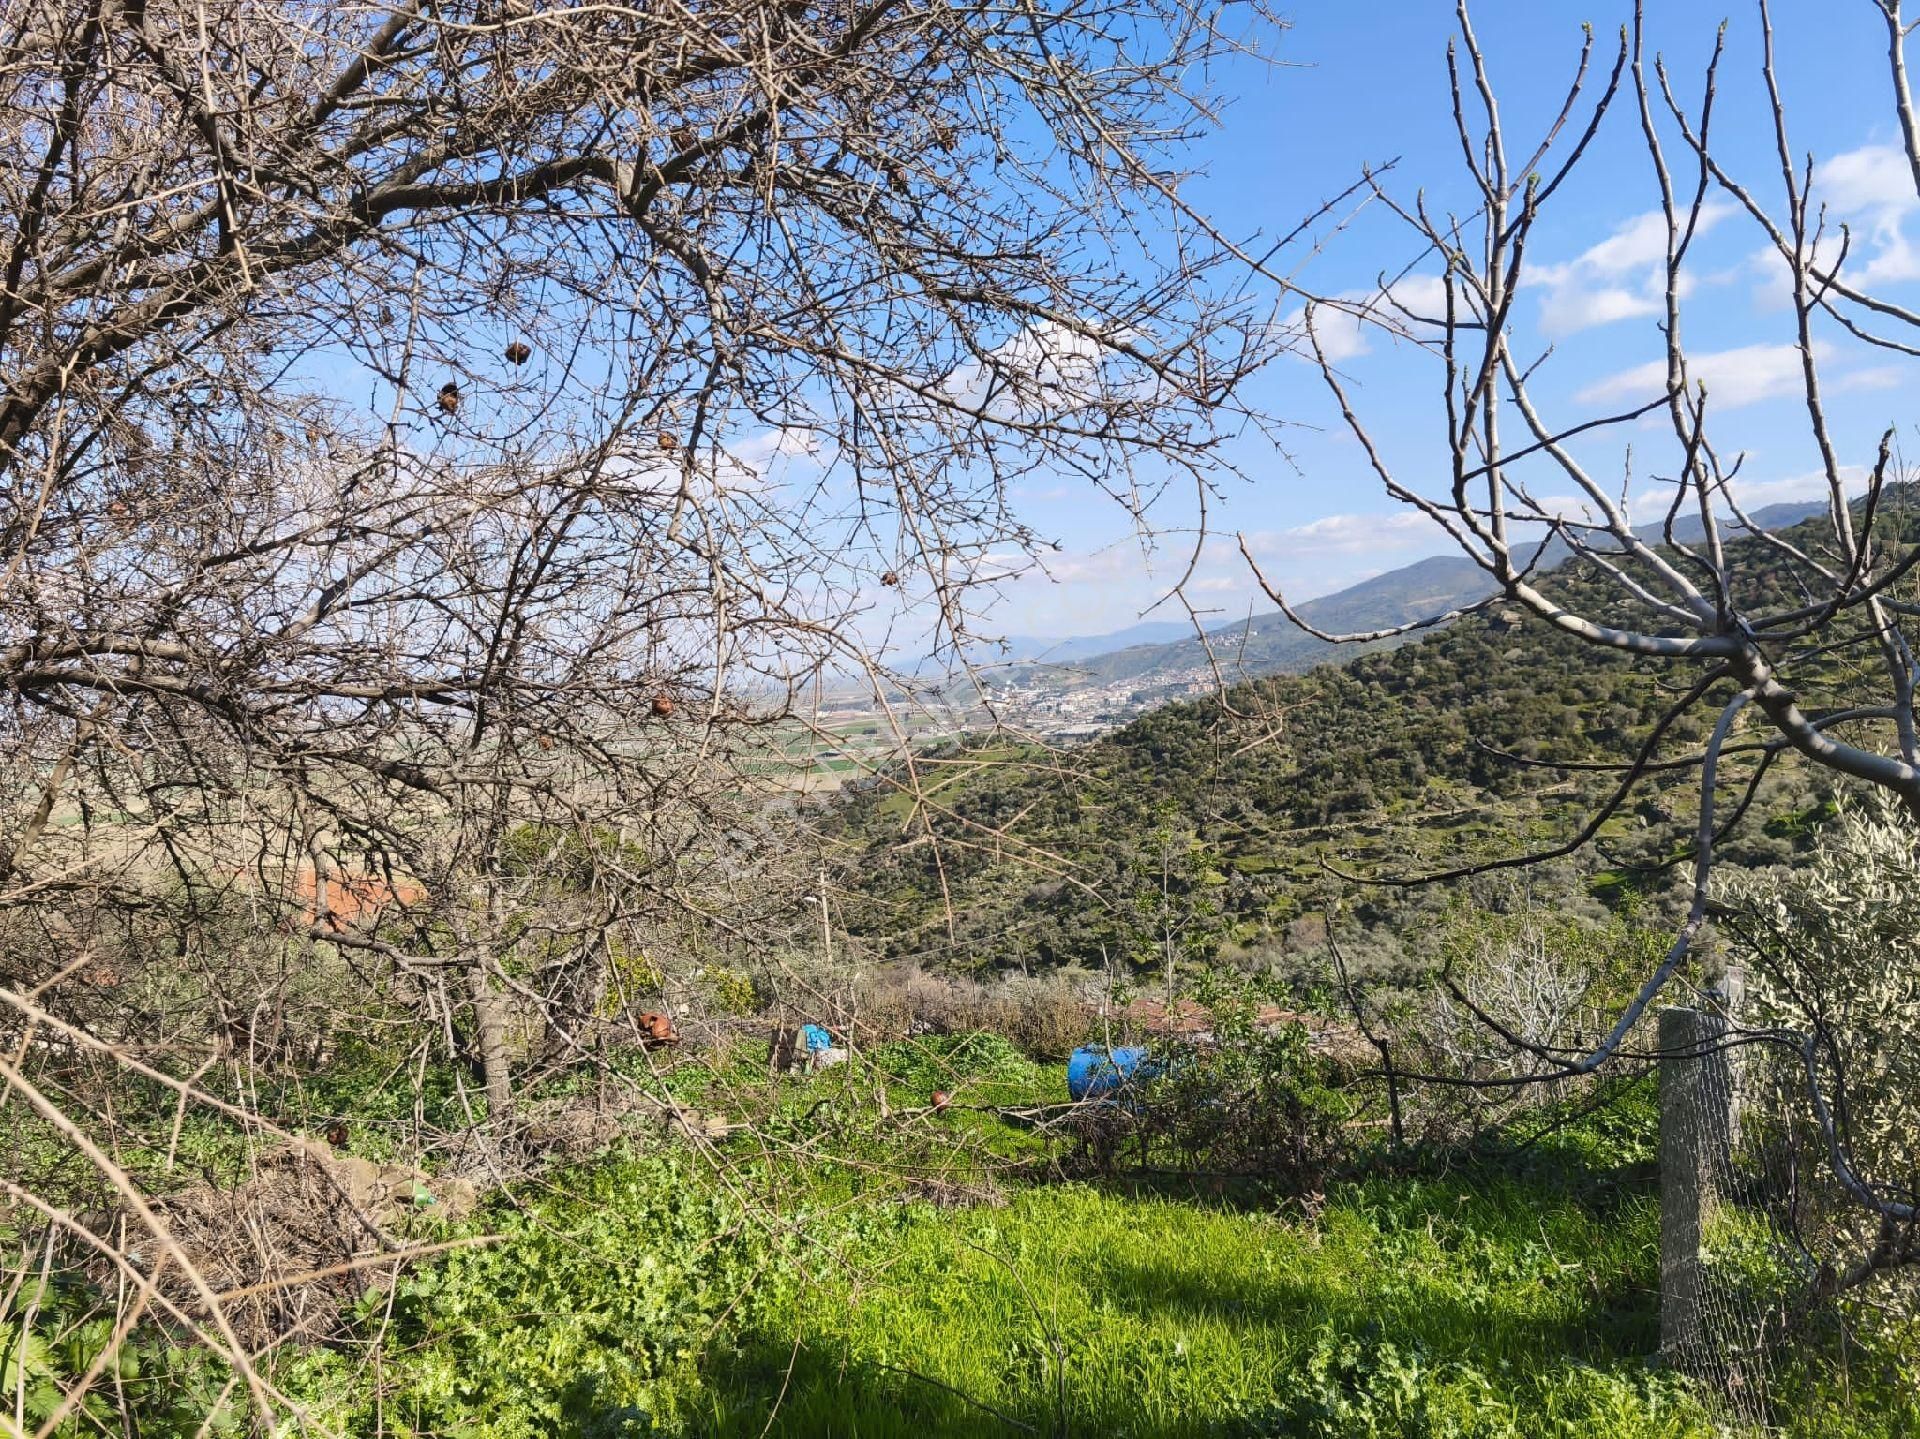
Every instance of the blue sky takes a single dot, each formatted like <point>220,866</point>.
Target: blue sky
<point>1362,84</point>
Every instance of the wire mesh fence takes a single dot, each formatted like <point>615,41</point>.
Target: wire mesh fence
<point>1758,1234</point>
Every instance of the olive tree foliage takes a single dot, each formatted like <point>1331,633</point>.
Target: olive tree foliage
<point>438,440</point>
<point>1545,978</point>
<point>1739,619</point>
<point>1831,955</point>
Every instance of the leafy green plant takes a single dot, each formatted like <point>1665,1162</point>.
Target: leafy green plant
<point>943,1061</point>
<point>587,1313</point>
<point>54,1331</point>
<point>733,991</point>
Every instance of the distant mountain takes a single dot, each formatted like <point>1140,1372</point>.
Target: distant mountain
<point>1270,644</point>
<point>1063,651</point>
<point>1017,650</point>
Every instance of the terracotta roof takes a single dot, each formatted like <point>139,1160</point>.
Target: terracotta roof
<point>346,901</point>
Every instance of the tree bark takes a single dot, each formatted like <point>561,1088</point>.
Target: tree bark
<point>490,1038</point>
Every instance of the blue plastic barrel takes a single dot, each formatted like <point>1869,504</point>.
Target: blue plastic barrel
<point>1096,1070</point>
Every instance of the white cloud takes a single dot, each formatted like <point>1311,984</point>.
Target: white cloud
<point>1746,376</point>
<point>1871,190</point>
<point>1123,560</point>
<point>1774,289</point>
<point>1342,323</point>
<point>1637,243</point>
<point>1340,335</point>
<point>1811,485</point>
<point>1000,565</point>
<point>1044,368</point>
<point>1874,377</point>
<point>1874,179</point>
<point>1623,277</point>
<point>1350,534</point>
<point>762,452</point>
<point>1876,256</point>
<point>740,467</point>
<point>1094,591</point>
<point>1743,376</point>
<point>1568,308</point>
<point>1892,262</point>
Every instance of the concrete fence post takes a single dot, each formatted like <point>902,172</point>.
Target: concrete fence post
<point>1696,1116</point>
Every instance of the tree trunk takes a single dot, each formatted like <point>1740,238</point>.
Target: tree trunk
<point>490,1035</point>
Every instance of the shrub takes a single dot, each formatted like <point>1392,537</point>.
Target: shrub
<point>1255,1103</point>
<point>1045,1017</point>
<point>1832,947</point>
<point>1831,950</point>
<point>1553,981</point>
<point>1048,1018</point>
<point>1245,1100</point>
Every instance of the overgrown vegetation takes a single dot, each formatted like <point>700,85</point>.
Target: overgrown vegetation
<point>859,1268</point>
<point>1829,952</point>
<point>929,1238</point>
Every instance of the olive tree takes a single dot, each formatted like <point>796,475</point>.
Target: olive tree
<point>1830,958</point>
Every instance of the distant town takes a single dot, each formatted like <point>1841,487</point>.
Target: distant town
<point>1053,704</point>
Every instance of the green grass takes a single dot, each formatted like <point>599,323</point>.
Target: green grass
<point>1405,1307</point>
<point>794,1290</point>
<point>799,1293</point>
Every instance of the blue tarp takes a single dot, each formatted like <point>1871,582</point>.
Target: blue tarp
<point>1095,1070</point>
<point>815,1037</point>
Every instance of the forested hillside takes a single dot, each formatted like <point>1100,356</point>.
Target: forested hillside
<point>1232,819</point>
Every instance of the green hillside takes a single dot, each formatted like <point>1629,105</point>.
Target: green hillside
<point>1237,809</point>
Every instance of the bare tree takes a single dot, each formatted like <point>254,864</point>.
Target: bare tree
<point>439,440</point>
<point>1749,620</point>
